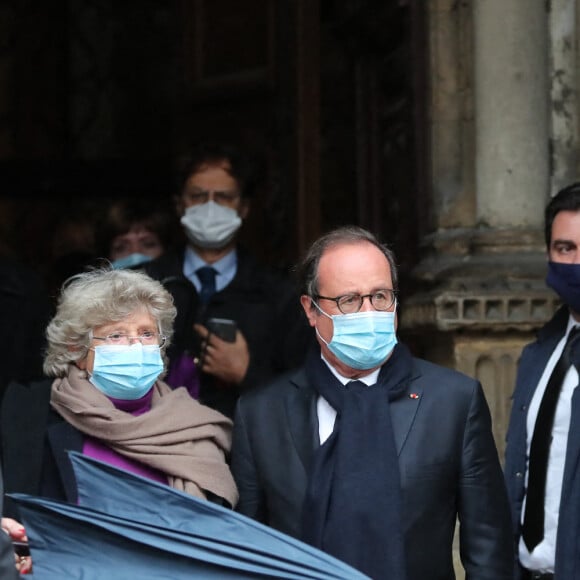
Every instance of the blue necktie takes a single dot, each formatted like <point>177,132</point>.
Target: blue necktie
<point>206,276</point>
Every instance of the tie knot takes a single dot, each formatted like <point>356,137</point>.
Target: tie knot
<point>356,386</point>
<point>206,275</point>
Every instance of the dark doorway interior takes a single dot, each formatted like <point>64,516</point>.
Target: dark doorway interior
<point>97,98</point>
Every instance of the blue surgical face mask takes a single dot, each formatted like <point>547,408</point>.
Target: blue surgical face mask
<point>125,371</point>
<point>130,261</point>
<point>362,340</point>
<point>565,280</point>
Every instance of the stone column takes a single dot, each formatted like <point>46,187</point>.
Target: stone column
<point>563,23</point>
<point>482,275</point>
<point>511,113</point>
<point>482,292</point>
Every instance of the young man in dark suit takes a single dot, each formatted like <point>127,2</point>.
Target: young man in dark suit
<point>543,442</point>
<point>367,452</point>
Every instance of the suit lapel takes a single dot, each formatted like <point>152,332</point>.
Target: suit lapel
<point>532,365</point>
<point>535,356</point>
<point>573,448</point>
<point>404,410</point>
<point>300,408</point>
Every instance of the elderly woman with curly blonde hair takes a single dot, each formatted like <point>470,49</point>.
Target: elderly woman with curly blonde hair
<point>107,400</point>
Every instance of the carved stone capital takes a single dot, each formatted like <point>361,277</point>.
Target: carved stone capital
<point>477,307</point>
<point>482,253</point>
<point>481,280</point>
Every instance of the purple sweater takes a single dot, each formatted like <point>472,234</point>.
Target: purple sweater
<point>95,448</point>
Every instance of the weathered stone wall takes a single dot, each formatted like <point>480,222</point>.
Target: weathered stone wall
<point>503,138</point>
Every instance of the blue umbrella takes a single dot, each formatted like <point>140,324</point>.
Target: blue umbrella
<point>127,526</point>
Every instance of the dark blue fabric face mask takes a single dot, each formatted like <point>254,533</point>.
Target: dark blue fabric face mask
<point>564,279</point>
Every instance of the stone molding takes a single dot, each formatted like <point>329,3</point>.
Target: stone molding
<point>477,309</point>
<point>481,279</point>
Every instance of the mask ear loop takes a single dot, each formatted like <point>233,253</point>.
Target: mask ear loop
<point>315,326</point>
<point>320,309</point>
<point>162,347</point>
<point>90,340</point>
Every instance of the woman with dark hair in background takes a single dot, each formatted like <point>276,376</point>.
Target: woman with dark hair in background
<point>135,231</point>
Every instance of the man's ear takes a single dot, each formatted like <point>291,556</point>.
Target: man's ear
<point>309,310</point>
<point>244,208</point>
<point>179,205</point>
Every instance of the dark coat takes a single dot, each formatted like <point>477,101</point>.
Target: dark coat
<point>24,310</point>
<point>7,568</point>
<point>34,444</point>
<point>266,308</point>
<point>447,457</point>
<point>530,369</point>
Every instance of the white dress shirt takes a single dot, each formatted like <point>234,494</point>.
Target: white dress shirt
<point>543,556</point>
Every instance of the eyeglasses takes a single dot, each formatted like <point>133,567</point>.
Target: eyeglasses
<point>351,303</point>
<point>199,196</point>
<point>146,338</point>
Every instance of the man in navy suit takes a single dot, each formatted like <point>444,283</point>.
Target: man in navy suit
<point>213,276</point>
<point>365,451</point>
<point>547,526</point>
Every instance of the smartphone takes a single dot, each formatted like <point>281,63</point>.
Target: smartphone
<point>21,548</point>
<point>223,328</point>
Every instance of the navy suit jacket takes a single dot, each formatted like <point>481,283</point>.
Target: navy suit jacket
<point>531,366</point>
<point>447,457</point>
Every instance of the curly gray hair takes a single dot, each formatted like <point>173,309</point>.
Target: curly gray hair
<point>99,297</point>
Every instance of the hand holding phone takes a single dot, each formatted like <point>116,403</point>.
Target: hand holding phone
<point>17,535</point>
<point>227,358</point>
<point>21,549</point>
<point>223,328</point>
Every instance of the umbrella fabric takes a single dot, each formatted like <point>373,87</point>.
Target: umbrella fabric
<point>67,545</point>
<point>179,534</point>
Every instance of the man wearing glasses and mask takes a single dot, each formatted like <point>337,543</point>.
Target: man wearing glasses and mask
<point>366,452</point>
<point>214,278</point>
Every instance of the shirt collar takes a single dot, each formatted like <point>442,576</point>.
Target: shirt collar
<point>193,262</point>
<point>368,380</point>
<point>572,322</point>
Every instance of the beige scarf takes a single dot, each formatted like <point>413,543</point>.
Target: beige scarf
<point>180,437</point>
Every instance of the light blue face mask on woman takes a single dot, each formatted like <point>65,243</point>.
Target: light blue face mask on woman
<point>362,340</point>
<point>130,261</point>
<point>126,371</point>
